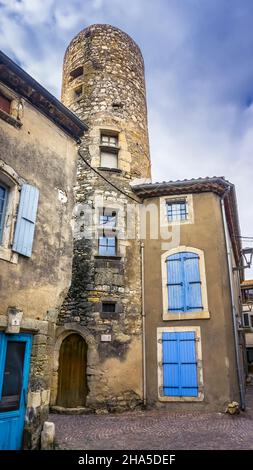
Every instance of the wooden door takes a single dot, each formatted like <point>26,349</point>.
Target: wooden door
<point>72,380</point>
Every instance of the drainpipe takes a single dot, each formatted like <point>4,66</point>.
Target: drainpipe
<point>143,328</point>
<point>236,337</point>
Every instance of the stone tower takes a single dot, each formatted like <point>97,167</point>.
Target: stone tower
<point>103,83</point>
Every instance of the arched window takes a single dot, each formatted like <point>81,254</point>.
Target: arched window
<point>184,284</point>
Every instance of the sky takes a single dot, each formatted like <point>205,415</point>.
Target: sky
<point>199,76</point>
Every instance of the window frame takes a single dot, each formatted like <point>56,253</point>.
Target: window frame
<point>108,148</point>
<point>165,200</point>
<point>106,237</point>
<point>3,216</point>
<point>174,212</point>
<point>10,179</point>
<point>188,315</point>
<point>175,329</point>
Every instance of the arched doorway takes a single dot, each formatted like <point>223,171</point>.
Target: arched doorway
<point>72,380</point>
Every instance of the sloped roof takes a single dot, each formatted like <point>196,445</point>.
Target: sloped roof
<point>20,81</point>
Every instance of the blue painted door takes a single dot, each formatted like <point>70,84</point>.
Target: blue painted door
<point>15,352</point>
<point>179,364</point>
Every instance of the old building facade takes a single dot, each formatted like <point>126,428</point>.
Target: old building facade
<point>37,173</point>
<point>103,83</point>
<point>192,304</point>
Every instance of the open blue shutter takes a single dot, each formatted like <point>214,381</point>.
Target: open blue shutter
<point>175,283</point>
<point>179,364</point>
<point>192,282</point>
<point>25,225</point>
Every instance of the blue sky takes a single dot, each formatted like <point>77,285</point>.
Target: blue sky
<point>199,76</point>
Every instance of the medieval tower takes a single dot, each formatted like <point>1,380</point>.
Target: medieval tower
<point>99,333</point>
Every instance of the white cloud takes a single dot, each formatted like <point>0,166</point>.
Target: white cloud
<point>198,69</point>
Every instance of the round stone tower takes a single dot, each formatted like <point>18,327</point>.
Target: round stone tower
<point>103,83</point>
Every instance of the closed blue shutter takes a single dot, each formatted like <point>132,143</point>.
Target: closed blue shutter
<point>25,225</point>
<point>192,282</point>
<point>176,296</point>
<point>184,283</point>
<point>179,364</point>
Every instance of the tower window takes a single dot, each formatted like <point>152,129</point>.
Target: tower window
<point>109,151</point>
<point>107,246</point>
<point>78,91</point>
<point>108,307</point>
<point>107,218</point>
<point>76,73</point>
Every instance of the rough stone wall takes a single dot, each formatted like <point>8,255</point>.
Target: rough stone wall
<point>113,99</point>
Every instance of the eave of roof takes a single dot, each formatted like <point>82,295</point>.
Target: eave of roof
<point>216,184</point>
<point>20,81</point>
<point>247,284</point>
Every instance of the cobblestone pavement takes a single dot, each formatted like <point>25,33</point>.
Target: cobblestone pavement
<point>154,430</point>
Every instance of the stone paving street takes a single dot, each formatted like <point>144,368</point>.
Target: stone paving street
<point>154,429</point>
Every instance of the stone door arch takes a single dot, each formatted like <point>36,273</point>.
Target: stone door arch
<point>72,378</point>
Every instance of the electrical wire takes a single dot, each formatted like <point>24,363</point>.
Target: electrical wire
<point>107,181</point>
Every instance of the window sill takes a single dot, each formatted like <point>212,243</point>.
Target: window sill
<point>111,170</point>
<point>107,257</point>
<point>177,222</point>
<point>111,148</point>
<point>10,119</point>
<point>186,316</point>
<point>7,254</point>
<point>200,397</point>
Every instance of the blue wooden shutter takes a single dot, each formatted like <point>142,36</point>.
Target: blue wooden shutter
<point>192,282</point>
<point>175,283</point>
<point>179,364</point>
<point>25,225</point>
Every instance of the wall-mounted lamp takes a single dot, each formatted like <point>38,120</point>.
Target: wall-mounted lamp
<point>247,255</point>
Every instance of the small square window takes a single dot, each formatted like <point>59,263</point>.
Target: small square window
<point>78,91</point>
<point>108,307</point>
<point>107,246</point>
<point>177,210</point>
<point>108,160</point>
<point>76,72</point>
<point>107,218</point>
<point>109,140</point>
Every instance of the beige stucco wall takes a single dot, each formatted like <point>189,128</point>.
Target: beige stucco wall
<point>44,156</point>
<point>218,356</point>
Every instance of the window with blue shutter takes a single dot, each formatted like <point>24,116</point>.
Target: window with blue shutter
<point>25,225</point>
<point>3,201</point>
<point>184,283</point>
<point>180,378</point>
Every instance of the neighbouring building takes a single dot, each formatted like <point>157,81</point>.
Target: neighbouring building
<point>247,299</point>
<point>192,304</point>
<point>38,156</point>
<point>100,323</point>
